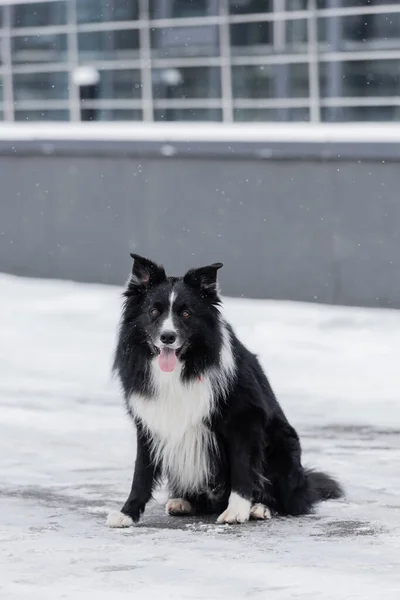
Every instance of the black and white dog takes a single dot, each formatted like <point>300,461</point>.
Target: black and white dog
<point>205,414</point>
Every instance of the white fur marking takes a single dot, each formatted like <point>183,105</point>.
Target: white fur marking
<point>260,512</point>
<point>168,324</point>
<point>178,506</point>
<point>117,519</point>
<point>238,510</point>
<point>222,375</point>
<point>182,442</point>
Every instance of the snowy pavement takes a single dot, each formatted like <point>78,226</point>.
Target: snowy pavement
<point>67,450</point>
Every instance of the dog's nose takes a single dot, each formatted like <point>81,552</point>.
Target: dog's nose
<point>168,337</point>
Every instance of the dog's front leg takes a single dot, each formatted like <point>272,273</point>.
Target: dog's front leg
<point>242,485</point>
<point>142,485</point>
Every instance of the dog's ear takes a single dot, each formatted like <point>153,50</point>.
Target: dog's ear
<point>204,278</point>
<point>145,273</point>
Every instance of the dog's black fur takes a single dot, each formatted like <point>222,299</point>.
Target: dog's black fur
<point>256,453</point>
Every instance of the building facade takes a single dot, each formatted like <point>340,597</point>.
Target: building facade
<point>200,60</point>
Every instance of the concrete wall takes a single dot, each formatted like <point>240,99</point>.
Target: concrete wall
<point>316,223</point>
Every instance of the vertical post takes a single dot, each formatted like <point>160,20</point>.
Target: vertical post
<point>7,66</point>
<point>73,61</point>
<point>226,70</point>
<point>313,70</point>
<point>145,61</point>
<point>281,71</point>
<point>334,68</point>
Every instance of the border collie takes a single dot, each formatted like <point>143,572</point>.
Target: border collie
<point>205,414</point>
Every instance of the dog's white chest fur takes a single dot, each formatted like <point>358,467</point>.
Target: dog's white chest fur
<point>175,417</point>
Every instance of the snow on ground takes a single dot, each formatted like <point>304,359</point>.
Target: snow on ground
<point>67,449</point>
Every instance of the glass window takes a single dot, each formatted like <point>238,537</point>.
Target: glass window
<point>97,11</point>
<point>271,114</point>
<point>258,38</point>
<point>361,113</point>
<point>188,114</point>
<point>41,115</point>
<point>120,84</point>
<point>270,81</point>
<point>39,48</point>
<point>296,4</point>
<point>39,14</point>
<point>361,32</point>
<point>363,78</point>
<point>175,9</point>
<point>108,45</point>
<point>296,35</point>
<point>117,114</point>
<point>187,82</point>
<point>196,41</point>
<point>251,38</point>
<point>1,88</point>
<point>244,7</point>
<point>40,86</point>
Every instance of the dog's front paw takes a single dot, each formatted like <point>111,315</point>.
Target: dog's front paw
<point>238,510</point>
<point>117,519</point>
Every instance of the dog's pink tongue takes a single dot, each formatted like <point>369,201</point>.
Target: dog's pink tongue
<point>167,360</point>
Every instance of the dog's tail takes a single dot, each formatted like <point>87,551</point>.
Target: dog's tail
<point>323,486</point>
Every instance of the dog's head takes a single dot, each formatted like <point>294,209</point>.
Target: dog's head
<point>176,317</point>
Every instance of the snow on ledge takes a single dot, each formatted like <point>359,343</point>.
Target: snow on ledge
<point>204,132</point>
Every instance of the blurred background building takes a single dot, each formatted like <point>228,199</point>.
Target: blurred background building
<point>200,60</point>
<point>247,131</point>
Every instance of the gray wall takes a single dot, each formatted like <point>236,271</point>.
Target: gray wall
<point>314,222</point>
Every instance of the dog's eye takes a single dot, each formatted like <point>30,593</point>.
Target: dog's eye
<point>155,313</point>
<point>185,314</point>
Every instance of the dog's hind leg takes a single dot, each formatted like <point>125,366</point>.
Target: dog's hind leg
<point>260,512</point>
<point>193,504</point>
<point>290,489</point>
<point>177,507</point>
